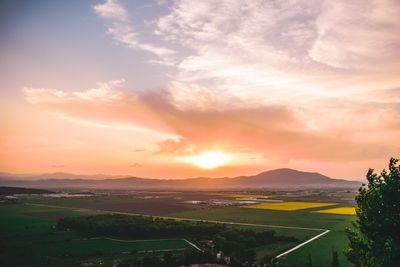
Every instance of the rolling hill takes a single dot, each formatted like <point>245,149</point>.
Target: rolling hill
<point>279,178</point>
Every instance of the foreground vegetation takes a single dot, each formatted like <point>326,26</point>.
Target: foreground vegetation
<point>237,245</point>
<point>28,238</point>
<point>31,236</point>
<point>374,238</point>
<point>177,205</point>
<point>320,250</point>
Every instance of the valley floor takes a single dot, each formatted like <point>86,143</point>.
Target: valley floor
<point>23,224</point>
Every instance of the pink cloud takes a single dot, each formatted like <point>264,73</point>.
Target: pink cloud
<point>353,133</point>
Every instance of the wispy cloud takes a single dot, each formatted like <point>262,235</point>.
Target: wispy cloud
<point>357,34</point>
<point>111,9</point>
<point>269,52</point>
<point>121,28</point>
<point>295,81</point>
<point>286,52</point>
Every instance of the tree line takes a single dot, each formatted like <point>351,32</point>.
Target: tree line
<point>237,245</point>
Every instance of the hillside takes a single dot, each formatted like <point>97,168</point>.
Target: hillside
<point>279,178</point>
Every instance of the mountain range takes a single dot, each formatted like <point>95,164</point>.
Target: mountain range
<point>284,178</point>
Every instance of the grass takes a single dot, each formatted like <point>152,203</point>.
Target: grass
<point>28,238</point>
<point>289,206</point>
<point>320,249</point>
<point>340,210</point>
<point>82,247</point>
<point>132,204</point>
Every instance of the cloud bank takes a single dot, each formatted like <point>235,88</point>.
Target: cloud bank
<point>291,80</point>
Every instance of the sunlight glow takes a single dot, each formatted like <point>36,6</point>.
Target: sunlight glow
<point>208,160</point>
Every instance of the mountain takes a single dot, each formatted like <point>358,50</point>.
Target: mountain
<point>279,178</point>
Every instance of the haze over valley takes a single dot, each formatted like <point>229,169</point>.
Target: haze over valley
<point>212,133</point>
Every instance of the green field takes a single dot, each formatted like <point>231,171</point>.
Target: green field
<point>162,203</point>
<point>28,238</point>
<point>27,216</point>
<point>320,249</point>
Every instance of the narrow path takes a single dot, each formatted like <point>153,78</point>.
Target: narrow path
<point>193,245</point>
<point>302,244</point>
<point>325,231</point>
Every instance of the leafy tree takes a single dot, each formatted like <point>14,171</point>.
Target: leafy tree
<point>375,239</point>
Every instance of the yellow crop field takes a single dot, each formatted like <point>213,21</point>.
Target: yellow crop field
<point>289,206</point>
<point>341,211</point>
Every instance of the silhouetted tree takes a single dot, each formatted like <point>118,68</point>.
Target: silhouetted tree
<point>375,239</point>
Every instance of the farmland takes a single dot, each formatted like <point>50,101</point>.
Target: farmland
<point>28,238</point>
<point>244,196</point>
<point>341,210</point>
<point>303,220</point>
<point>289,205</point>
<point>320,249</point>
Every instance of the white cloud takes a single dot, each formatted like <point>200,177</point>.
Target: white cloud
<point>294,53</point>
<point>121,29</point>
<point>291,53</point>
<point>111,9</point>
<point>104,92</point>
<point>329,63</point>
<point>270,52</point>
<point>357,34</point>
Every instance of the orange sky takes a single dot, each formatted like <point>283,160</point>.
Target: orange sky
<point>223,90</point>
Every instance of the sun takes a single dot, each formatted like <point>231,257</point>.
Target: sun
<point>208,160</point>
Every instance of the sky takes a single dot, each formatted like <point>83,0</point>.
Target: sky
<point>177,89</point>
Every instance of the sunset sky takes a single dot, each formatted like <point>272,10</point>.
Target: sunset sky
<point>174,89</point>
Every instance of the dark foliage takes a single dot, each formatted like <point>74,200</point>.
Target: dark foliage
<point>137,227</point>
<point>7,190</point>
<point>375,239</point>
<point>237,244</point>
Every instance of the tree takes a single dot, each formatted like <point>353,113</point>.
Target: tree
<point>374,239</point>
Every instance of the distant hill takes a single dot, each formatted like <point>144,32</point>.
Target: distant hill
<point>279,178</point>
<point>7,190</point>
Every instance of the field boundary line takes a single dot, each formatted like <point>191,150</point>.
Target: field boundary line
<point>325,231</point>
<point>184,219</point>
<point>145,240</point>
<point>193,245</point>
<point>249,224</point>
<point>302,244</point>
<point>132,240</point>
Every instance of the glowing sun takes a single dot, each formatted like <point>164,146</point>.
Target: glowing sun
<point>208,160</point>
